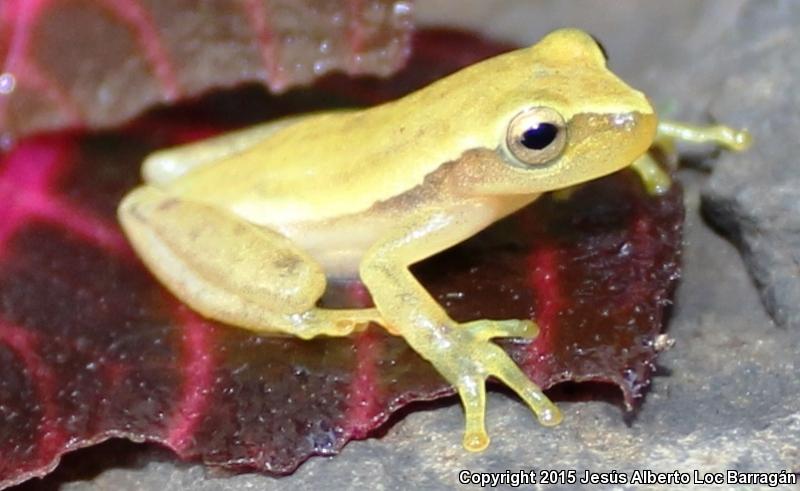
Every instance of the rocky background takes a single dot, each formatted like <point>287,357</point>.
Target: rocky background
<point>726,393</point>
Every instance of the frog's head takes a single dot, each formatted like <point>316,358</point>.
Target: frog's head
<point>557,117</point>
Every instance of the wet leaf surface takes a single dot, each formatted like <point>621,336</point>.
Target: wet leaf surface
<point>96,63</point>
<point>91,347</point>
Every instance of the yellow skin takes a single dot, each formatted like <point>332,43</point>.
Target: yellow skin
<point>246,228</point>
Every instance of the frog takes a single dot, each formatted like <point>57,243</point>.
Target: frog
<point>248,228</point>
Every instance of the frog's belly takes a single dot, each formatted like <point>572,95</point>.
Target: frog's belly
<point>338,245</point>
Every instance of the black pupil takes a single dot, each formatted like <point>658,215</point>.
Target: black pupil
<point>539,136</point>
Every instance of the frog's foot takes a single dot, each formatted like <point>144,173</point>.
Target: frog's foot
<point>485,329</point>
<point>332,322</point>
<point>466,358</point>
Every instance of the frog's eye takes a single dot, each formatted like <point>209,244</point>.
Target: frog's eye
<point>536,136</point>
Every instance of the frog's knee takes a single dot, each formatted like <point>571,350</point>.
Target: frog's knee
<point>134,206</point>
<point>197,248</point>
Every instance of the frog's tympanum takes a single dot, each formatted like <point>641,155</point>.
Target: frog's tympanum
<point>248,227</point>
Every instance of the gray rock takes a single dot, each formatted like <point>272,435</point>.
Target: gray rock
<point>754,198</point>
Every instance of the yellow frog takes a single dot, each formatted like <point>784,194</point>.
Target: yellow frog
<point>247,228</point>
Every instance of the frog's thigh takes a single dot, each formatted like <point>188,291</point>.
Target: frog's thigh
<point>164,166</point>
<point>230,270</point>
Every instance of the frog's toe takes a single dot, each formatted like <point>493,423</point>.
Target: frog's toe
<point>309,331</point>
<point>470,366</point>
<point>486,329</point>
<point>509,373</point>
<point>472,391</point>
<point>333,322</point>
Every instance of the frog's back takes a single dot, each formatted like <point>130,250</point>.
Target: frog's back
<point>341,163</point>
<point>327,165</point>
<point>336,163</point>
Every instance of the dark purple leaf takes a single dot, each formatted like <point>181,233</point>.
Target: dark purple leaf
<point>91,347</point>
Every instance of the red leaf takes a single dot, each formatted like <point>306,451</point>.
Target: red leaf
<point>91,347</point>
<point>96,63</point>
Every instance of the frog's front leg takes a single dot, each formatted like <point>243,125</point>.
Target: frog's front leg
<point>719,134</point>
<point>655,179</point>
<point>462,353</point>
<point>232,271</point>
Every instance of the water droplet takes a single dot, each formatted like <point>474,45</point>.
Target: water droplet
<point>402,8</point>
<point>321,67</point>
<point>626,249</point>
<point>7,83</point>
<point>325,46</point>
<point>6,142</point>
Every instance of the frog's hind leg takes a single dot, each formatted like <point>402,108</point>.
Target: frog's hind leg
<point>232,271</point>
<point>164,166</point>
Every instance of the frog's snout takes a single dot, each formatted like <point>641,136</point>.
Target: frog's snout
<point>644,131</point>
<point>629,135</point>
<point>604,143</point>
<point>600,144</point>
<point>639,129</point>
